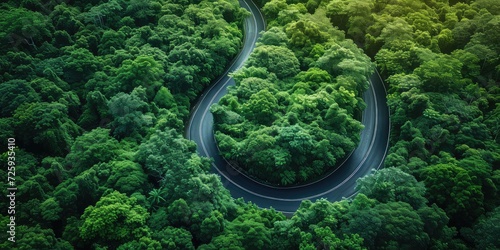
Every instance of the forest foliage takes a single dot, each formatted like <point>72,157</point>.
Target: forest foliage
<point>292,116</point>
<point>96,94</point>
<point>441,65</point>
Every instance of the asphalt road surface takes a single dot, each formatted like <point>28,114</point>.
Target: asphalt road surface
<point>368,155</point>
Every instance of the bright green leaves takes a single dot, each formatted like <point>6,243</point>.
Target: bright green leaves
<point>273,7</point>
<point>125,176</point>
<point>391,62</point>
<point>278,60</point>
<point>274,36</point>
<point>441,75</point>
<point>143,12</point>
<point>253,233</point>
<point>212,226</point>
<point>314,75</point>
<point>327,238</point>
<point>143,71</point>
<point>199,204</point>
<point>347,14</point>
<point>165,154</point>
<point>401,83</point>
<point>65,19</point>
<point>338,119</point>
<point>252,85</point>
<point>91,148</point>
<point>164,99</point>
<point>297,141</point>
<point>291,115</point>
<point>189,62</point>
<point>114,218</point>
<point>286,123</point>
<point>305,33</point>
<point>345,59</point>
<point>397,30</point>
<point>260,149</point>
<point>144,243</point>
<point>174,238</point>
<point>96,110</point>
<point>104,14</point>
<point>289,147</point>
<point>192,196</point>
<point>252,229</point>
<point>113,67</point>
<point>110,41</point>
<point>261,107</point>
<point>197,56</point>
<point>314,226</point>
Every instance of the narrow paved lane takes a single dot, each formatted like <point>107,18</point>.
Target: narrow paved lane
<point>369,154</point>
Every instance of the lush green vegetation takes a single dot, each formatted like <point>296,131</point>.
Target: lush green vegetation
<point>441,62</point>
<point>290,117</point>
<point>96,94</point>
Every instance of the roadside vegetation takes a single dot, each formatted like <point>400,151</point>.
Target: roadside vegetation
<point>291,117</point>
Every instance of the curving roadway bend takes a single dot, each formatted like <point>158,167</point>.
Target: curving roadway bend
<point>368,155</point>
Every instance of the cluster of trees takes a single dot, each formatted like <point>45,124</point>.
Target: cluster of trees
<point>441,62</point>
<point>90,57</point>
<point>292,115</point>
<point>390,212</point>
<point>96,93</point>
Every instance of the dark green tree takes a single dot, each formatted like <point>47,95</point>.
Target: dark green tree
<point>452,188</point>
<point>16,92</point>
<point>46,127</point>
<point>91,148</point>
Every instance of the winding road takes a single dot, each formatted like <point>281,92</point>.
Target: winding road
<point>368,155</point>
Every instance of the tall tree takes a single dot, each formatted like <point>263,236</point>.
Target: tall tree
<point>392,184</point>
<point>46,127</point>
<point>451,188</point>
<point>116,218</point>
<point>93,147</point>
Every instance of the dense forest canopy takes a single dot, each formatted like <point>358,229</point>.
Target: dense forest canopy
<point>291,116</point>
<point>96,94</point>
